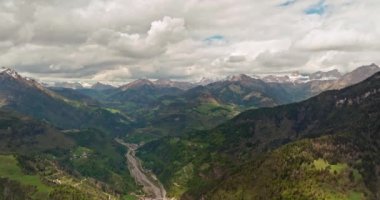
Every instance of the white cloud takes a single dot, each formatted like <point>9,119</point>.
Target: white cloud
<point>161,33</point>
<point>338,39</point>
<point>116,39</point>
<point>165,31</point>
<point>117,74</point>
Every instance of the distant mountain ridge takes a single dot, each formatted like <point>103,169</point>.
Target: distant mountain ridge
<point>160,107</point>
<point>176,84</point>
<point>245,90</point>
<point>299,78</point>
<point>158,103</point>
<point>329,75</point>
<point>28,97</point>
<point>357,75</point>
<point>101,86</point>
<point>294,77</point>
<point>71,85</point>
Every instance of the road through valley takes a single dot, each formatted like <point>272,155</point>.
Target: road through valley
<point>151,186</point>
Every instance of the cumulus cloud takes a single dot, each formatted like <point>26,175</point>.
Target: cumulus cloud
<point>117,74</point>
<point>338,39</point>
<point>116,39</point>
<point>161,33</point>
<point>282,60</point>
<point>236,58</point>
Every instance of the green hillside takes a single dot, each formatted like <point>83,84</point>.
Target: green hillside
<point>39,162</point>
<point>197,163</point>
<point>28,97</point>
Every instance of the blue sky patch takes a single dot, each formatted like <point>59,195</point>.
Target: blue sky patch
<point>215,39</point>
<point>287,3</point>
<point>317,9</point>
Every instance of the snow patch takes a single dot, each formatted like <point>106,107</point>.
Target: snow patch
<point>10,72</point>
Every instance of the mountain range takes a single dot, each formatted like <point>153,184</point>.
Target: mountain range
<point>326,147</point>
<point>161,107</point>
<point>293,77</point>
<point>305,136</point>
<point>171,111</point>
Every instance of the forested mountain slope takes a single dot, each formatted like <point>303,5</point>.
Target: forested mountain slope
<point>325,141</point>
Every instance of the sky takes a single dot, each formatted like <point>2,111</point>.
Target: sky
<point>117,40</point>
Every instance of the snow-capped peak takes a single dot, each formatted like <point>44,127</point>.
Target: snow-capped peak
<point>10,72</point>
<point>13,73</point>
<point>238,77</point>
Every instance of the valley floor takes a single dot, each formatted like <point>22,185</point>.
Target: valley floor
<point>151,185</point>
